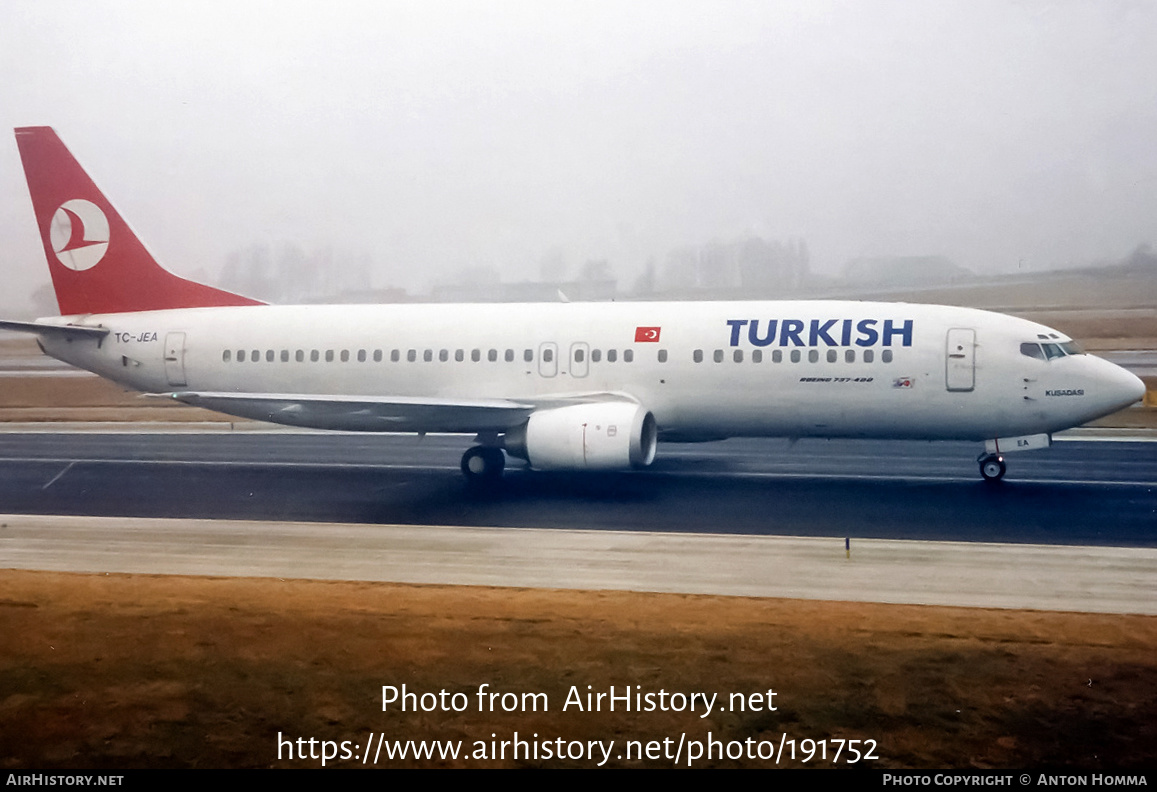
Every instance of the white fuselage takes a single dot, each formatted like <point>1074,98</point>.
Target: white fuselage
<point>718,369</point>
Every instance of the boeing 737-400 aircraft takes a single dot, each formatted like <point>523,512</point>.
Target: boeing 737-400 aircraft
<point>566,386</point>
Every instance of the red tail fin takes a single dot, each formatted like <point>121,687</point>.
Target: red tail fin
<point>97,263</point>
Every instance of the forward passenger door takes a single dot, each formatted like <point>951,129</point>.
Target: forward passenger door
<point>960,360</point>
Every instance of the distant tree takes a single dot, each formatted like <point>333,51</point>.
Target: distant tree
<point>645,284</point>
<point>552,266</point>
<point>1142,258</point>
<point>718,268</point>
<point>596,270</point>
<point>681,270</point>
<point>757,265</point>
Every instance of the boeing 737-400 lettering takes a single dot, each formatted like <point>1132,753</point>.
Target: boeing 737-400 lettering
<point>566,386</point>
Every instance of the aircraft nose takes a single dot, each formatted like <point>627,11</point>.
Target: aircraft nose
<point>1123,387</point>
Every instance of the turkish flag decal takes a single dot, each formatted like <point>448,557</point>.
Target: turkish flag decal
<point>647,334</point>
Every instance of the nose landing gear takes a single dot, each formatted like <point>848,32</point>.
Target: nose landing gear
<point>991,467</point>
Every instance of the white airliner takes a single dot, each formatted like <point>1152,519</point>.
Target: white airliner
<point>566,386</point>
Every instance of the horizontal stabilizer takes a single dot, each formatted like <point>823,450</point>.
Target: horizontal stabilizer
<point>61,331</point>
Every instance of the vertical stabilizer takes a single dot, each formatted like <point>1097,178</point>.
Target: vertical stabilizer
<point>97,263</point>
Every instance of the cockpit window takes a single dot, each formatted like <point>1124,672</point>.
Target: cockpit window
<point>1032,350</point>
<point>1046,351</point>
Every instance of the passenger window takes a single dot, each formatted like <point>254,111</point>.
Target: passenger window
<point>427,355</point>
<point>528,355</point>
<point>547,355</point>
<point>476,355</point>
<point>377,356</point>
<point>757,356</point>
<point>697,355</point>
<point>492,355</point>
<point>411,355</point>
<point>612,355</point>
<point>459,355</point>
<point>240,355</point>
<point>850,356</point>
<point>361,356</point>
<point>737,356</point>
<point>285,356</point>
<point>443,355</point>
<point>1032,351</point>
<point>299,356</point>
<point>813,355</point>
<point>256,356</point>
<point>795,356</point>
<point>329,356</point>
<point>395,355</point>
<point>869,355</point>
<point>662,356</point>
<point>777,356</point>
<point>718,356</point>
<point>226,355</point>
<point>509,356</point>
<point>832,355</point>
<point>314,356</point>
<point>596,355</point>
<point>578,356</point>
<point>269,356</point>
<point>345,356</point>
<point>886,356</point>
<point>628,356</point>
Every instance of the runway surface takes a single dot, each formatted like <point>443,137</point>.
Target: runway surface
<point>745,517</point>
<point>1086,493</point>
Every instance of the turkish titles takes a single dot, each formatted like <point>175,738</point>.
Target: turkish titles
<point>821,332</point>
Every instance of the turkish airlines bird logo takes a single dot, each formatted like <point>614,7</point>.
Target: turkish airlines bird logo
<point>647,335</point>
<point>79,234</point>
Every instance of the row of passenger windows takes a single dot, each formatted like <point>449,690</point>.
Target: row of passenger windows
<point>412,355</point>
<point>796,355</point>
<point>492,355</point>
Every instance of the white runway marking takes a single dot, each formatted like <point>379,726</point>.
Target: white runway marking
<point>58,476</point>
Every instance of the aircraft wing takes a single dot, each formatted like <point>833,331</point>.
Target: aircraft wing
<point>384,413</point>
<point>364,413</point>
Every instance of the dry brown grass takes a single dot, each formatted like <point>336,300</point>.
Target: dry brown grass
<point>149,671</point>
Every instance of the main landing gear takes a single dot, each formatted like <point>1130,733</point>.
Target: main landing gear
<point>482,464</point>
<point>991,467</point>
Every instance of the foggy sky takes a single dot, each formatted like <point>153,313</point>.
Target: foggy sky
<point>434,137</point>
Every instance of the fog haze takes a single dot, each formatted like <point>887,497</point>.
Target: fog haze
<point>418,142</point>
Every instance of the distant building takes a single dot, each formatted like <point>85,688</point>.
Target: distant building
<point>903,271</point>
<point>755,266</point>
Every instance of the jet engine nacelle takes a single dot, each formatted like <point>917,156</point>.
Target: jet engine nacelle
<point>601,436</point>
